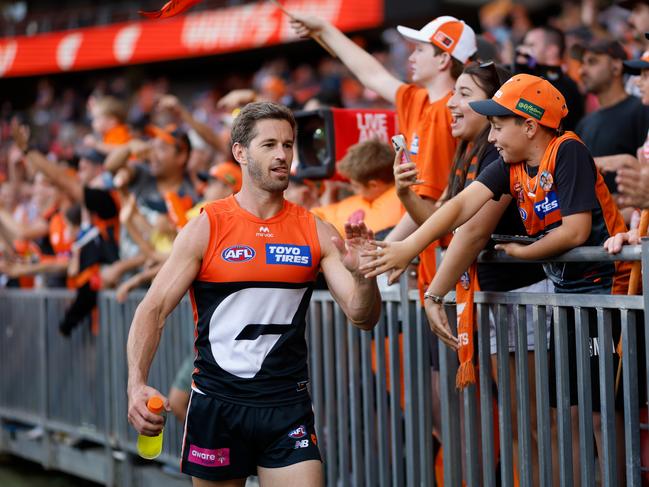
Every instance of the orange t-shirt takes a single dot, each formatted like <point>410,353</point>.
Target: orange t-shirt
<point>118,135</point>
<point>427,128</point>
<point>382,213</point>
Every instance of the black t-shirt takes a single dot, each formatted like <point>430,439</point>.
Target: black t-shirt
<point>619,129</point>
<point>575,176</point>
<point>101,204</point>
<point>505,277</point>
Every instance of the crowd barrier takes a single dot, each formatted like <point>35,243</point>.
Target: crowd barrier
<point>372,391</point>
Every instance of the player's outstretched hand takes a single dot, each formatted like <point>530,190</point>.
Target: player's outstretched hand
<point>356,243</point>
<point>144,421</point>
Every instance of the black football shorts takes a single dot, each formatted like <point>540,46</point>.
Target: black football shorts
<point>225,441</point>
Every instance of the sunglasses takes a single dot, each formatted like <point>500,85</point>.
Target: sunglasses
<point>490,66</point>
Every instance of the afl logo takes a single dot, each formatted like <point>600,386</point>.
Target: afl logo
<point>238,253</point>
<point>299,432</point>
<point>523,214</point>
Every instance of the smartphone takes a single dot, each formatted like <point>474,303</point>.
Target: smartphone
<point>521,239</point>
<point>399,142</point>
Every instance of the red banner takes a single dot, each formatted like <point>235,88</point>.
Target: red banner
<point>354,126</point>
<point>196,34</point>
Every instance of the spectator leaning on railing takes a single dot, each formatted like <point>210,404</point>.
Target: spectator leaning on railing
<point>561,197</point>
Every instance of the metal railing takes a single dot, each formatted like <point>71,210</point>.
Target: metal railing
<point>372,391</point>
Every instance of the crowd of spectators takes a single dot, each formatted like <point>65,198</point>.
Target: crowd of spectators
<point>93,189</point>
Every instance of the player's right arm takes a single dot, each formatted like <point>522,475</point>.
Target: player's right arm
<point>166,291</point>
<point>370,72</point>
<point>395,256</point>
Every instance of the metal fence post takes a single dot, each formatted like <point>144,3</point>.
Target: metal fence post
<point>450,409</point>
<point>607,398</point>
<point>504,398</point>
<point>486,401</point>
<point>543,421</point>
<point>522,399</point>
<point>411,415</point>
<point>586,439</point>
<point>631,406</point>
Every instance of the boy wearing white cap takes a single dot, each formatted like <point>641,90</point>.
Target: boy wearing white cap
<point>442,47</point>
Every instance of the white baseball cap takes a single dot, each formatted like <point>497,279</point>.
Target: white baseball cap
<point>448,33</point>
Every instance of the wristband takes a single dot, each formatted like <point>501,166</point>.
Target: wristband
<point>434,298</point>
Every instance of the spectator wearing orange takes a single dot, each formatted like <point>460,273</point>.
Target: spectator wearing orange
<point>42,245</point>
<point>159,173</point>
<point>442,47</point>
<point>108,118</point>
<point>562,200</point>
<point>87,188</point>
<point>368,165</point>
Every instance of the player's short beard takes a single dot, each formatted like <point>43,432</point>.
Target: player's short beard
<point>263,180</point>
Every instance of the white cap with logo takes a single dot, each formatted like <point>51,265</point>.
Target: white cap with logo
<point>448,33</point>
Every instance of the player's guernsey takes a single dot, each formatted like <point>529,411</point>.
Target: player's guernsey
<point>250,300</point>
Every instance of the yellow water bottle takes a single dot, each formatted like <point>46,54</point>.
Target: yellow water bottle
<point>149,447</point>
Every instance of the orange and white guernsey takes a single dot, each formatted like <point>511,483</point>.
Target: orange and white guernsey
<point>250,300</point>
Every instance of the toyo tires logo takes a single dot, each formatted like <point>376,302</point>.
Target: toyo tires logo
<point>238,253</point>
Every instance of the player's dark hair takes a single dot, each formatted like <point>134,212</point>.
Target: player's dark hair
<point>244,128</point>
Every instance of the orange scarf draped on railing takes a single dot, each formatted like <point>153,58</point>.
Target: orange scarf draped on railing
<point>464,292</point>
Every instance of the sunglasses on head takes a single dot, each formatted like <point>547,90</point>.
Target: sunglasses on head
<point>490,66</point>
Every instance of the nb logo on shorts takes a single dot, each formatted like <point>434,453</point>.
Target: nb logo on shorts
<point>284,254</point>
<point>301,444</point>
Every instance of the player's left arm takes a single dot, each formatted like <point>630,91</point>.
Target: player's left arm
<point>359,297</point>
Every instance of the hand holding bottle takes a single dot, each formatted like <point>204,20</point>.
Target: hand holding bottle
<point>150,447</point>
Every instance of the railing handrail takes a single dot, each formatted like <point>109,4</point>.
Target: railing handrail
<point>579,254</point>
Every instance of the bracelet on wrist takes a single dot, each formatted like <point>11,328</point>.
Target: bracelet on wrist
<point>434,298</point>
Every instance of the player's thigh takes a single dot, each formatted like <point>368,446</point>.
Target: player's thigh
<point>196,482</point>
<point>304,474</point>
